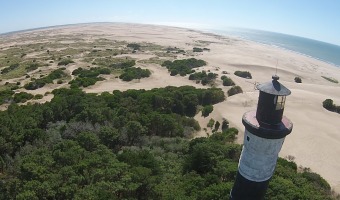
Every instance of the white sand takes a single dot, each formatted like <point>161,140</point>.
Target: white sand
<point>315,140</point>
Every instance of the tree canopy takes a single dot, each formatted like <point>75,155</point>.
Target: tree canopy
<point>128,145</point>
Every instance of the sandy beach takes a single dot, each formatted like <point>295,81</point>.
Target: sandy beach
<point>315,140</point>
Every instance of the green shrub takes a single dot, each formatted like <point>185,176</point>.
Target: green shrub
<point>123,65</point>
<point>134,73</point>
<point>65,62</point>
<point>235,90</point>
<point>10,68</point>
<point>225,124</point>
<point>38,96</point>
<point>174,72</point>
<point>32,66</point>
<point>328,104</point>
<point>184,66</point>
<point>38,83</point>
<point>211,123</point>
<point>217,126</point>
<point>22,97</point>
<point>297,80</point>
<point>84,81</point>
<point>227,81</point>
<point>243,74</point>
<point>6,96</point>
<point>134,46</point>
<point>207,110</point>
<point>195,49</point>
<point>203,77</point>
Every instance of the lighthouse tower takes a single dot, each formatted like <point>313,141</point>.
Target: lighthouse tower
<point>265,131</point>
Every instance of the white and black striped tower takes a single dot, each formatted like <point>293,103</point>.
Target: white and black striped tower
<point>265,132</point>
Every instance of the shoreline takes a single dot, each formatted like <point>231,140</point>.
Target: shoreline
<point>220,32</point>
<point>204,31</point>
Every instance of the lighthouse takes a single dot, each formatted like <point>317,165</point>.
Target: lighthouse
<point>265,132</point>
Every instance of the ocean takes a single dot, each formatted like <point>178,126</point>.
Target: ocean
<point>326,52</point>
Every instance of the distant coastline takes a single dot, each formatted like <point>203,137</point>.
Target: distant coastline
<point>325,52</point>
<point>319,50</point>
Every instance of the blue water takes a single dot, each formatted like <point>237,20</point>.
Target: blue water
<point>320,50</point>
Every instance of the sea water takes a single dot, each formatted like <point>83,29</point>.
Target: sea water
<point>326,52</point>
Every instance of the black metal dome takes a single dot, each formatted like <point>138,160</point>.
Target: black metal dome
<point>274,87</point>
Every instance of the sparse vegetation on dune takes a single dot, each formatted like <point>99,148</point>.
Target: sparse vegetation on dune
<point>65,62</point>
<point>38,83</point>
<point>10,68</point>
<point>330,79</point>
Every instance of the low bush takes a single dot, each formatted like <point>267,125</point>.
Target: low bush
<point>207,110</point>
<point>22,97</point>
<point>297,80</point>
<point>227,81</point>
<point>243,74</point>
<point>134,73</point>
<point>183,67</point>
<point>234,90</point>
<point>10,68</point>
<point>65,62</point>
<point>38,96</point>
<point>203,77</point>
<point>329,105</point>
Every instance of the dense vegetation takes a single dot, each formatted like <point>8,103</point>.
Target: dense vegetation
<point>22,97</point>
<point>329,105</point>
<point>6,96</point>
<point>183,67</point>
<point>134,73</point>
<point>234,90</point>
<point>128,145</point>
<point>243,74</point>
<point>203,77</point>
<point>38,83</point>
<point>227,81</point>
<point>87,77</point>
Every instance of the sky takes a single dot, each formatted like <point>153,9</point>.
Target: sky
<point>315,19</point>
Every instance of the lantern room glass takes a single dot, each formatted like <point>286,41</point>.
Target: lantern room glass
<point>280,102</point>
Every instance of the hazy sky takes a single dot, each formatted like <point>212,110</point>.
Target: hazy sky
<point>316,19</point>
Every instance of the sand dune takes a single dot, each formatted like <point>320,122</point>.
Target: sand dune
<point>315,140</point>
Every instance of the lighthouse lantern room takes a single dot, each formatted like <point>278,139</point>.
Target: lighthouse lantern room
<point>265,131</point>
